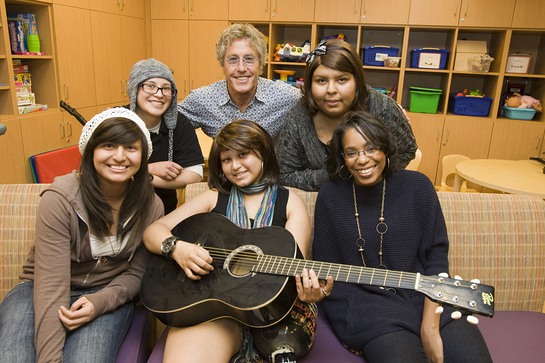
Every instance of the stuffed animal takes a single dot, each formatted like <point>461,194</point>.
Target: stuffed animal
<point>518,101</point>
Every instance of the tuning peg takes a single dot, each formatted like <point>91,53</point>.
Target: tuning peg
<point>439,310</point>
<point>476,281</point>
<point>458,277</point>
<point>443,274</point>
<point>456,315</point>
<point>472,319</point>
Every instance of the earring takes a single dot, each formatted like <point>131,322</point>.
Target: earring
<point>341,175</point>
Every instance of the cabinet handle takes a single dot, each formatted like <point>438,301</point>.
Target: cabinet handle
<point>538,144</point>
<point>185,86</point>
<point>364,9</point>
<point>355,6</point>
<point>190,7</point>
<point>266,6</point>
<point>69,124</point>
<point>66,93</point>
<point>437,135</point>
<point>445,141</point>
<point>465,14</point>
<point>183,5</point>
<point>61,129</point>
<point>273,10</point>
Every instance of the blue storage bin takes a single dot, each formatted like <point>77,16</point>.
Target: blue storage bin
<point>372,55</point>
<point>417,52</point>
<point>519,113</point>
<point>469,106</point>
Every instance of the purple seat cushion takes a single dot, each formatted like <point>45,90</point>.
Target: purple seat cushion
<point>140,338</point>
<point>515,336</point>
<point>326,347</point>
<point>511,336</point>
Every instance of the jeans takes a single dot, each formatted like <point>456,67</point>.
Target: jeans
<point>462,343</point>
<point>97,341</point>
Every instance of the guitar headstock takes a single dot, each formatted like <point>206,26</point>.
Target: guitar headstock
<point>471,296</point>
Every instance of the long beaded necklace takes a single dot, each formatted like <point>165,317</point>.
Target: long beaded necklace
<point>381,227</point>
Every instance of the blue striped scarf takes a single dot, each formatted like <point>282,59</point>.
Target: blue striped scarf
<point>236,211</point>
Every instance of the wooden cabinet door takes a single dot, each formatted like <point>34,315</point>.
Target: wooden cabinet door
<point>208,10</point>
<point>170,45</point>
<point>107,46</point>
<point>384,11</point>
<point>516,140</point>
<point>428,130</point>
<point>203,66</point>
<point>72,126</point>
<point>133,8</point>
<point>133,46</point>
<point>434,12</point>
<point>249,10</point>
<point>83,4</point>
<point>340,11</point>
<point>289,10</point>
<point>108,6</point>
<point>465,135</point>
<point>529,14</point>
<point>75,56</point>
<point>42,132</point>
<point>12,162</point>
<point>483,13</point>
<point>169,9</point>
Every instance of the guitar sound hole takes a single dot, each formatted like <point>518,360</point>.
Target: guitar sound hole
<point>242,263</point>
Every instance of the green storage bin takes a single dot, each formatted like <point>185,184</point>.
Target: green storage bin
<point>424,100</point>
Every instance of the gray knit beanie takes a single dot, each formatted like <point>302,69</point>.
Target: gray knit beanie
<point>144,70</point>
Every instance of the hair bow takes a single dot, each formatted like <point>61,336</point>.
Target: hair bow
<point>319,50</point>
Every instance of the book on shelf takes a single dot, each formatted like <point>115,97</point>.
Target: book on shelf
<point>20,68</point>
<point>23,34</point>
<point>31,108</point>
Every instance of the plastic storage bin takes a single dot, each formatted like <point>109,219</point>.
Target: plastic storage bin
<point>469,106</point>
<point>424,100</point>
<point>519,113</point>
<point>373,55</point>
<point>431,58</point>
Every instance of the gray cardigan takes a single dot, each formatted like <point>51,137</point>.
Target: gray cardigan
<point>302,156</point>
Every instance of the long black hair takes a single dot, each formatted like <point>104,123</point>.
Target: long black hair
<point>140,194</point>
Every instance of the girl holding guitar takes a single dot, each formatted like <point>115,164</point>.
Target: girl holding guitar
<point>244,187</point>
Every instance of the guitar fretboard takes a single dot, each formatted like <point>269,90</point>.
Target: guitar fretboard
<point>284,266</point>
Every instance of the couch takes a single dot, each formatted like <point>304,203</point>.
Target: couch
<point>18,205</point>
<point>497,238</point>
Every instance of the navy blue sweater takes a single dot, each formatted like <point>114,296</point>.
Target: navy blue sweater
<point>416,241</point>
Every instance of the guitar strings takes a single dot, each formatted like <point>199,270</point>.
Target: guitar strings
<point>278,265</point>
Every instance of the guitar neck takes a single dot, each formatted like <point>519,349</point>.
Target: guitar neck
<point>275,265</point>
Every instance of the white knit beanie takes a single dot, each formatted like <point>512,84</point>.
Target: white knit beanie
<point>122,112</point>
<point>144,70</point>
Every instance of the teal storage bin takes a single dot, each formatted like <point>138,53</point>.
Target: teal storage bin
<point>424,100</point>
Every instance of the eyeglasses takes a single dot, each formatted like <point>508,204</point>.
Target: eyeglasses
<point>369,152</point>
<point>248,61</point>
<point>152,89</point>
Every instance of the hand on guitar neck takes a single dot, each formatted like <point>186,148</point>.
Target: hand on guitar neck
<point>252,278</point>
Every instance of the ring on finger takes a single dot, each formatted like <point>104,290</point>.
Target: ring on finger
<point>325,292</point>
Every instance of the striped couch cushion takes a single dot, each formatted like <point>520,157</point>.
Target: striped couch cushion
<point>499,239</point>
<point>18,205</point>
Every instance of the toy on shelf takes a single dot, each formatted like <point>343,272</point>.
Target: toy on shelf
<point>284,73</point>
<point>291,53</point>
<point>340,36</point>
<point>516,100</point>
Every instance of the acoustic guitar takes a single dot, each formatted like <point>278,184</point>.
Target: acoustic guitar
<point>252,280</point>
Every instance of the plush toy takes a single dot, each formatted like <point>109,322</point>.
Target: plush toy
<point>518,101</point>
